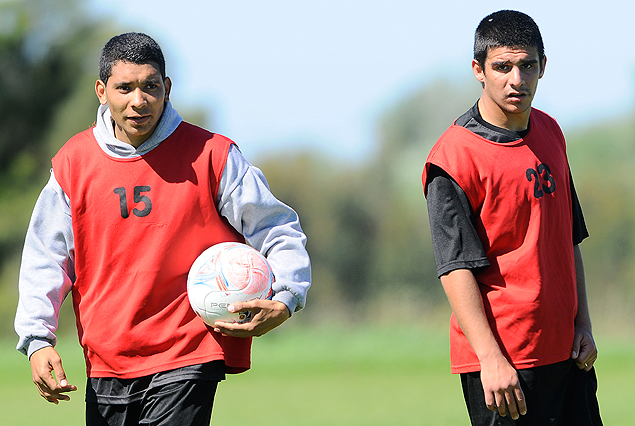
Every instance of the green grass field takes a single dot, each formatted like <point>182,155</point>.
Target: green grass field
<point>331,377</point>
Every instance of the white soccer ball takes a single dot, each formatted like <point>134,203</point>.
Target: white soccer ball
<point>224,274</point>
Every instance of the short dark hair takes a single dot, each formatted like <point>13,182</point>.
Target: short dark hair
<point>136,48</point>
<point>507,28</point>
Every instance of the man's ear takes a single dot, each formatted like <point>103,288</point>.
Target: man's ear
<point>168,87</point>
<point>542,66</point>
<point>100,89</point>
<point>478,70</point>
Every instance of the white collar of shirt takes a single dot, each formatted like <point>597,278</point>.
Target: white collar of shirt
<point>105,133</point>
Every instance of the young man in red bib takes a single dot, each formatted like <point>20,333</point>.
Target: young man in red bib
<point>506,224</point>
<point>130,204</point>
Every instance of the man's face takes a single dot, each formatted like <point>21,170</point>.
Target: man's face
<point>509,78</point>
<point>136,95</point>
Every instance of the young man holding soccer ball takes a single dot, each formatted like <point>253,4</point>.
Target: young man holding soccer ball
<point>506,224</point>
<point>130,204</point>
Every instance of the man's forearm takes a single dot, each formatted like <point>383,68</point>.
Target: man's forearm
<point>583,317</point>
<point>466,301</point>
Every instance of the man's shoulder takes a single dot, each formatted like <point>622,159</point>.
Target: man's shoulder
<point>456,134</point>
<point>189,130</point>
<point>84,134</point>
<point>537,114</point>
<point>467,117</point>
<point>453,147</point>
<point>545,123</point>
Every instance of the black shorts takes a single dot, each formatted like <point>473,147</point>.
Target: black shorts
<point>557,394</point>
<point>178,397</point>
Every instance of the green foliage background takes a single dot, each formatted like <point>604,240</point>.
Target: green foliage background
<point>47,52</point>
<point>366,221</point>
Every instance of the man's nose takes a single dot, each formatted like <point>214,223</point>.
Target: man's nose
<point>516,77</point>
<point>138,98</point>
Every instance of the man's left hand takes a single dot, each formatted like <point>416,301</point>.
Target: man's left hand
<point>265,316</point>
<point>584,351</point>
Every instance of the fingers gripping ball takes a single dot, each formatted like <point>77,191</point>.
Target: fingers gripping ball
<point>227,273</point>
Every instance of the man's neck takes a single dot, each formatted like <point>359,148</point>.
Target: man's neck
<point>517,122</point>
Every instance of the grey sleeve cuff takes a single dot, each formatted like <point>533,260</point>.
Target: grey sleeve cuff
<point>33,345</point>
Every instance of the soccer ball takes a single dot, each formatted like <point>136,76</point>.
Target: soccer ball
<point>224,274</point>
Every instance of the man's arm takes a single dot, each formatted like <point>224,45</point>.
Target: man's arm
<point>458,250</point>
<point>498,376</point>
<point>455,240</point>
<point>584,350</point>
<point>272,228</point>
<point>46,277</point>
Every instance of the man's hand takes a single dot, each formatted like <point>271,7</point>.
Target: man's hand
<point>584,351</point>
<point>498,377</point>
<point>265,316</point>
<point>43,363</point>
<point>501,385</point>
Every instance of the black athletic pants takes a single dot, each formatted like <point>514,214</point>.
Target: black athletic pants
<point>180,403</point>
<point>557,395</point>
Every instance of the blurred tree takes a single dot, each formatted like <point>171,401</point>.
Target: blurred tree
<point>366,223</point>
<point>46,96</point>
<point>43,47</point>
<point>603,164</point>
<point>315,187</point>
<point>403,256</point>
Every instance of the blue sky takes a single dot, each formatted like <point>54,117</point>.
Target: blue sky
<point>283,73</point>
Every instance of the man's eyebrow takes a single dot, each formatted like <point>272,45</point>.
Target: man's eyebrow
<point>523,62</point>
<point>150,80</point>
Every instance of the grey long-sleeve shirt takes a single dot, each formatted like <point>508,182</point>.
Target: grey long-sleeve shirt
<point>47,270</point>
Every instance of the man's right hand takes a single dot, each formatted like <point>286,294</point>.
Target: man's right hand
<point>501,385</point>
<point>44,363</point>
<point>498,376</point>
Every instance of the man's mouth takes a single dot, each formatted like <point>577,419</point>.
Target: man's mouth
<point>138,119</point>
